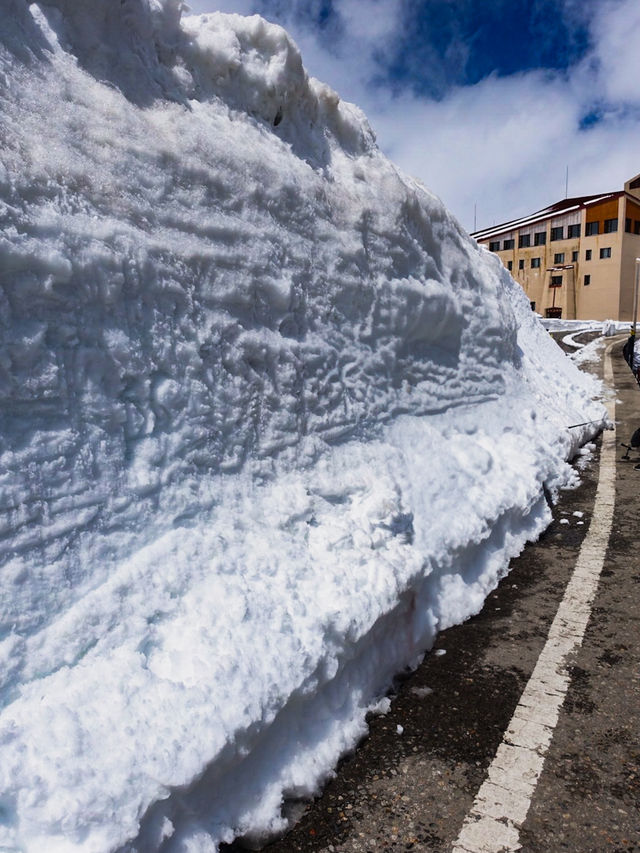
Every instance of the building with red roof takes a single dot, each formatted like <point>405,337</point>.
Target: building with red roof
<point>576,258</point>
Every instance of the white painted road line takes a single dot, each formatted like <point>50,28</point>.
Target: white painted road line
<point>501,805</point>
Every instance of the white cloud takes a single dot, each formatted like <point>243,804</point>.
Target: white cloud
<point>617,29</point>
<point>240,7</point>
<point>370,22</point>
<point>481,142</point>
<point>505,143</point>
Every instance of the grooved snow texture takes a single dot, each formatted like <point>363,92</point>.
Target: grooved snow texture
<point>268,420</point>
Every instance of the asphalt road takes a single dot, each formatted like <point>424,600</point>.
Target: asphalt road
<point>412,790</point>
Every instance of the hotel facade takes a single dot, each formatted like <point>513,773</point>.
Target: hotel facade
<point>576,258</point>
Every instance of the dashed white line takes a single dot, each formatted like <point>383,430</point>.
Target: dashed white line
<point>501,805</point>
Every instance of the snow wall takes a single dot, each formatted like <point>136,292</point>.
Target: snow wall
<point>270,419</point>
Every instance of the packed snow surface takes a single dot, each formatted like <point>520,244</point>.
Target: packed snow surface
<point>270,420</point>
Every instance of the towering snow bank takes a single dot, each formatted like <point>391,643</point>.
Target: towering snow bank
<point>269,420</point>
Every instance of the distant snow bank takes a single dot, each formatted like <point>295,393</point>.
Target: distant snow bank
<point>270,420</point>
<point>606,327</point>
<point>591,352</point>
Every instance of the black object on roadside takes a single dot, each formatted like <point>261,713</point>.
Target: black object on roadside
<point>634,443</point>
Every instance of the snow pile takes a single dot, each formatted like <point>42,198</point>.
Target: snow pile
<point>269,421</point>
<point>607,328</point>
<point>590,353</point>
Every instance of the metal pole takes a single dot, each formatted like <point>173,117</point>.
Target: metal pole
<point>635,296</point>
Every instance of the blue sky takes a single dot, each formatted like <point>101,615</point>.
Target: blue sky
<point>488,102</point>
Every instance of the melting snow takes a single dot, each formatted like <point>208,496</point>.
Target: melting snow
<point>270,420</point>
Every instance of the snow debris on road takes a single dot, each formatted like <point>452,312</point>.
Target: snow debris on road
<point>422,692</point>
<point>590,353</point>
<point>270,420</point>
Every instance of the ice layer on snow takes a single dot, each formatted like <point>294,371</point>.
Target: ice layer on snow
<point>269,420</point>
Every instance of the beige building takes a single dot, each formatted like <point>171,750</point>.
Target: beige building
<point>575,259</point>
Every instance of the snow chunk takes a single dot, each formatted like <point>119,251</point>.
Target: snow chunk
<point>255,67</point>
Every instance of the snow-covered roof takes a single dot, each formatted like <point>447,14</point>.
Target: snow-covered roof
<point>567,205</point>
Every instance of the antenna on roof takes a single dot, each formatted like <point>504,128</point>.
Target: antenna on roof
<point>566,183</point>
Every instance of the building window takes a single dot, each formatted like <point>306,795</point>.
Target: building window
<point>605,253</point>
<point>509,265</point>
<point>533,306</point>
<point>557,233</point>
<point>587,280</point>
<point>627,225</point>
<point>535,263</point>
<point>573,231</point>
<point>556,281</point>
<point>521,264</point>
<point>636,226</point>
<point>574,256</point>
<point>558,258</point>
<point>591,228</point>
<point>610,226</point>
<point>587,255</point>
<point>524,241</point>
<point>540,238</point>
<point>508,244</point>
<point>494,246</point>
